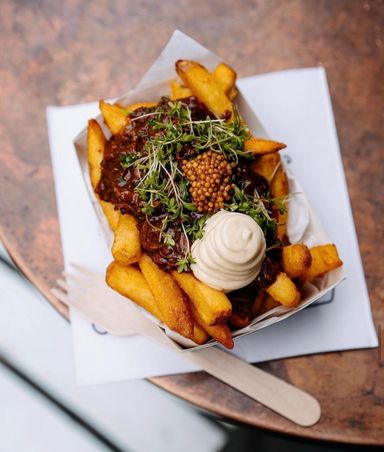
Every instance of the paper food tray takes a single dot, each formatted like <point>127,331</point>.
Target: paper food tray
<point>156,83</point>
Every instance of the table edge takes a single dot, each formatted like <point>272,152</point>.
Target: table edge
<point>159,381</point>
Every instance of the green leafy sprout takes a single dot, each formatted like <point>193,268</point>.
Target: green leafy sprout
<point>163,187</point>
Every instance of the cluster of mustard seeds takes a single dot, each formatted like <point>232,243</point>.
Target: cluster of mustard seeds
<point>210,176</point>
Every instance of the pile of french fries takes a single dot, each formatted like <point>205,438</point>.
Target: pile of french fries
<point>179,300</point>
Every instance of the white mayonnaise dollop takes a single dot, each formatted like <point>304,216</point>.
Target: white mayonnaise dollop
<point>230,254</point>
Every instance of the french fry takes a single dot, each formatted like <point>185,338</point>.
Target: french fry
<point>268,304</point>
<point>179,91</point>
<point>266,165</point>
<point>258,304</point>
<point>96,145</point>
<point>295,259</point>
<point>261,146</point>
<point>174,308</point>
<point>269,166</point>
<point>279,189</point>
<point>233,93</point>
<point>199,335</point>
<point>239,320</point>
<point>324,259</point>
<point>203,86</point>
<point>225,76</point>
<point>113,116</point>
<point>126,248</point>
<point>113,216</point>
<point>212,305</point>
<point>284,291</point>
<point>279,183</point>
<point>220,332</point>
<point>129,282</point>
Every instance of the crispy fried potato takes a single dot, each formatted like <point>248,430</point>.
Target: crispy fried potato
<point>199,335</point>
<point>295,259</point>
<point>284,291</point>
<point>262,146</point>
<point>239,320</point>
<point>279,189</point>
<point>269,166</point>
<point>96,144</point>
<point>266,165</point>
<point>233,93</point>
<point>258,304</point>
<point>279,183</point>
<point>225,76</point>
<point>174,308</point>
<point>268,304</point>
<point>324,259</point>
<point>204,87</point>
<point>212,305</point>
<point>113,216</point>
<point>113,116</point>
<point>179,91</point>
<point>126,248</point>
<point>220,332</point>
<point>129,282</point>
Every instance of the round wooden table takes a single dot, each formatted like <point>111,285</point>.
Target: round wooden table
<point>55,52</point>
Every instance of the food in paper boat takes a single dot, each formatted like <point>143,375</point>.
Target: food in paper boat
<point>199,209</point>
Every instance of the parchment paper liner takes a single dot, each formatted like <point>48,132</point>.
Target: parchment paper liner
<point>152,86</point>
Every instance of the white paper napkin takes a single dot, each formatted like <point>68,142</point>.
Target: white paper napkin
<point>295,108</point>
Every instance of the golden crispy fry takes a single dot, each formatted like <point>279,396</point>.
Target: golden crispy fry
<point>179,91</point>
<point>324,259</point>
<point>199,335</point>
<point>279,183</point>
<point>269,166</point>
<point>113,116</point>
<point>113,216</point>
<point>266,165</point>
<point>212,305</point>
<point>258,304</point>
<point>129,282</point>
<point>225,76</point>
<point>174,308</point>
<point>233,93</point>
<point>220,332</point>
<point>268,304</point>
<point>262,146</point>
<point>238,320</point>
<point>96,144</point>
<point>204,87</point>
<point>284,291</point>
<point>295,259</point>
<point>281,180</point>
<point>126,248</point>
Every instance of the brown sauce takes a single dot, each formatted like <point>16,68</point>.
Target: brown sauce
<point>118,184</point>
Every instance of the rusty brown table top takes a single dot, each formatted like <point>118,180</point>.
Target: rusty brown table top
<point>54,52</point>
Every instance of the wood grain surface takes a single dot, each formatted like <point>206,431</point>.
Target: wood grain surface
<point>64,52</point>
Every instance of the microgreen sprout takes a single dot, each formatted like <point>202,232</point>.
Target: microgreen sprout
<point>173,135</point>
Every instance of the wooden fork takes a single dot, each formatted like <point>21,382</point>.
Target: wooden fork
<point>87,292</point>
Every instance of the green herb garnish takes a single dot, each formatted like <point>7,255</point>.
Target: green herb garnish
<point>255,208</point>
<point>184,264</point>
<point>173,136</point>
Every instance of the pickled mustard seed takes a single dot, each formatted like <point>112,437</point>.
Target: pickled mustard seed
<point>210,176</point>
